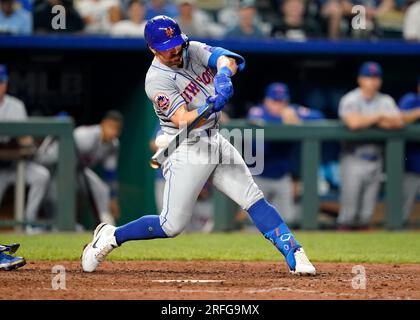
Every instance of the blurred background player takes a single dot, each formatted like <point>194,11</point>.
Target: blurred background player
<point>410,108</point>
<point>7,261</point>
<point>361,162</point>
<point>36,176</point>
<point>276,180</point>
<point>96,144</point>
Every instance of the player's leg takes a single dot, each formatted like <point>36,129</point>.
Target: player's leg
<point>352,171</point>
<point>38,178</point>
<point>233,178</point>
<point>411,187</point>
<point>283,199</point>
<point>184,181</point>
<point>101,196</point>
<point>159,191</point>
<point>370,192</point>
<point>6,177</point>
<point>279,192</point>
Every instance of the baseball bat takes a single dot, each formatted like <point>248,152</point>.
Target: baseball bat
<point>160,155</point>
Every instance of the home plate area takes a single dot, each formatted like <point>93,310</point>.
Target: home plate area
<point>210,280</point>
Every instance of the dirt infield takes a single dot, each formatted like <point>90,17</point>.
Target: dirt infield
<point>218,280</point>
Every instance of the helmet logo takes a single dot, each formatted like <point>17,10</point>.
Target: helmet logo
<point>169,32</point>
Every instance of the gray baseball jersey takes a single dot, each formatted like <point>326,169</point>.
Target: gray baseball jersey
<point>354,102</point>
<point>170,88</point>
<point>190,166</point>
<point>11,109</point>
<point>93,150</point>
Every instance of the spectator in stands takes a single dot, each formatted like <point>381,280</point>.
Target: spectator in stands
<point>276,180</point>
<point>43,17</point>
<point>332,11</point>
<point>294,25</point>
<point>196,22</point>
<point>13,20</point>
<point>160,7</point>
<point>410,108</point>
<point>36,176</point>
<point>412,22</point>
<point>246,28</point>
<point>134,26</point>
<point>99,15</point>
<point>361,162</point>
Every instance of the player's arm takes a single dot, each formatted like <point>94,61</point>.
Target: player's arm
<point>357,121</point>
<point>394,121</point>
<point>227,62</point>
<point>411,116</point>
<point>226,67</point>
<point>392,118</point>
<point>183,117</point>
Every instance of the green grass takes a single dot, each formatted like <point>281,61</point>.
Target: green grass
<point>381,247</point>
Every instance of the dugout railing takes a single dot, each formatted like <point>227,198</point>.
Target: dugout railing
<point>311,135</point>
<point>62,129</point>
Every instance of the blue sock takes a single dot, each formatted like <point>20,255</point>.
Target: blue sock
<point>268,220</point>
<point>147,227</point>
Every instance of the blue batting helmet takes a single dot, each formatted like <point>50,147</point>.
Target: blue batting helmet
<point>163,33</point>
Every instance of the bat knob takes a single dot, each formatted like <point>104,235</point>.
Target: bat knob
<point>154,164</point>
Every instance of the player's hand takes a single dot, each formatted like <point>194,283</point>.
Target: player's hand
<point>223,84</point>
<point>218,101</point>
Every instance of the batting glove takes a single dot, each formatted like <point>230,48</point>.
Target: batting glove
<point>223,84</point>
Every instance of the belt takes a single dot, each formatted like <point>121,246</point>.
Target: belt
<point>368,157</point>
<point>208,132</point>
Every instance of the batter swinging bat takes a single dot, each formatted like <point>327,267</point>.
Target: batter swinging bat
<point>160,155</point>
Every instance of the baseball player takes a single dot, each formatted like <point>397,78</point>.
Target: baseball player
<point>276,181</point>
<point>7,261</point>
<point>38,177</point>
<point>96,144</point>
<point>182,77</point>
<point>410,108</point>
<point>361,162</point>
